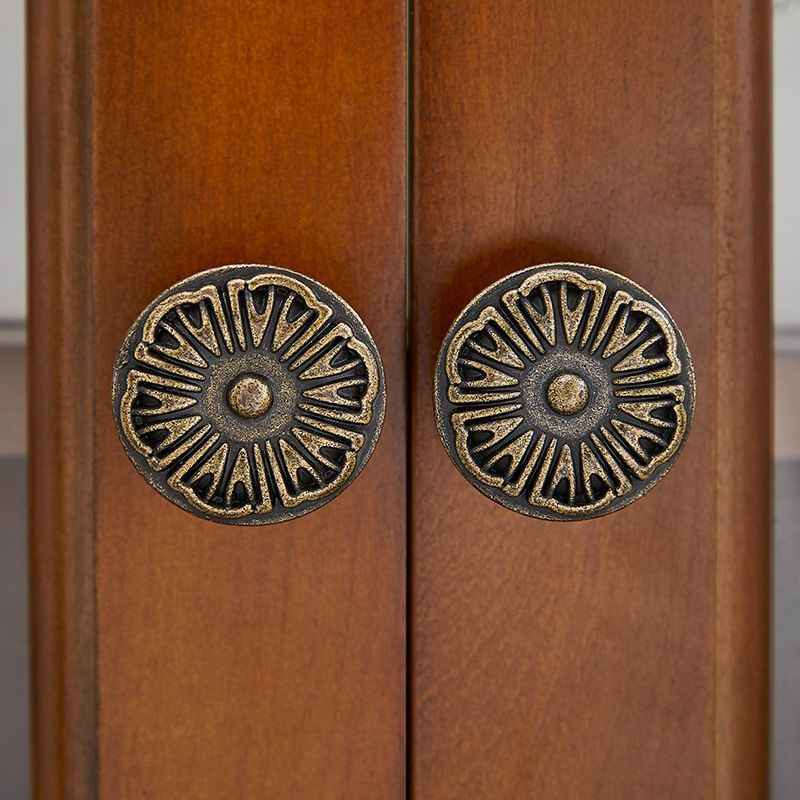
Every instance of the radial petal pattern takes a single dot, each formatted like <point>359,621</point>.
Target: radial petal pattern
<point>564,391</point>
<point>249,394</point>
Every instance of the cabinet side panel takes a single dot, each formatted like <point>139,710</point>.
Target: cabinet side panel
<point>61,402</point>
<point>743,240</point>
<point>605,658</point>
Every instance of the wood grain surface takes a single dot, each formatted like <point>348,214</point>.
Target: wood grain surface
<point>624,657</point>
<point>615,658</point>
<point>61,432</point>
<point>208,661</point>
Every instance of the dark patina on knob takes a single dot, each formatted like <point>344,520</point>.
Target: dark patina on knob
<point>248,394</point>
<point>564,391</point>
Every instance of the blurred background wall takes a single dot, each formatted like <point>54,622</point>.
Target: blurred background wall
<point>786,209</point>
<point>786,115</point>
<point>14,728</point>
<point>12,164</point>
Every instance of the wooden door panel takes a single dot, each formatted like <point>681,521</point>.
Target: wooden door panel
<point>176,657</point>
<point>624,656</point>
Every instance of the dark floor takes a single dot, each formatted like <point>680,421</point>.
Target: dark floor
<point>14,728</point>
<point>786,627</point>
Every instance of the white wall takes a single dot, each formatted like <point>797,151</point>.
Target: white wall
<point>786,59</point>
<point>12,161</point>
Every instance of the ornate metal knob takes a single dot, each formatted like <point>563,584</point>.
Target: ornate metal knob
<point>564,391</point>
<point>248,394</point>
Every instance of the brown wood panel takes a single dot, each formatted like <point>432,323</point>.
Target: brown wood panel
<point>624,656</point>
<point>60,406</point>
<point>213,661</point>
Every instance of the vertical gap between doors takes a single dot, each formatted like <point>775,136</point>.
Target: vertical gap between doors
<point>409,256</point>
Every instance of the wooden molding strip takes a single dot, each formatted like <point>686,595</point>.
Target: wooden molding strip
<point>61,412</point>
<point>743,245</point>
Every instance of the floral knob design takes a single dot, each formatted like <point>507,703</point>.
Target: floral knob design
<point>564,391</point>
<point>248,394</point>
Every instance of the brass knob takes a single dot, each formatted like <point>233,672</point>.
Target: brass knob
<point>564,391</point>
<point>248,394</point>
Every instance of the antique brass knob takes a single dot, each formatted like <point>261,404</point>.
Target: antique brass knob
<point>248,394</point>
<point>564,391</point>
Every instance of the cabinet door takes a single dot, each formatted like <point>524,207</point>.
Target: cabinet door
<point>625,656</point>
<point>173,657</point>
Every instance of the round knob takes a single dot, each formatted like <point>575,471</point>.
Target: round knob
<point>564,391</point>
<point>248,394</point>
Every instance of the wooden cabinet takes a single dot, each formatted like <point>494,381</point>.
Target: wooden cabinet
<point>619,657</point>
